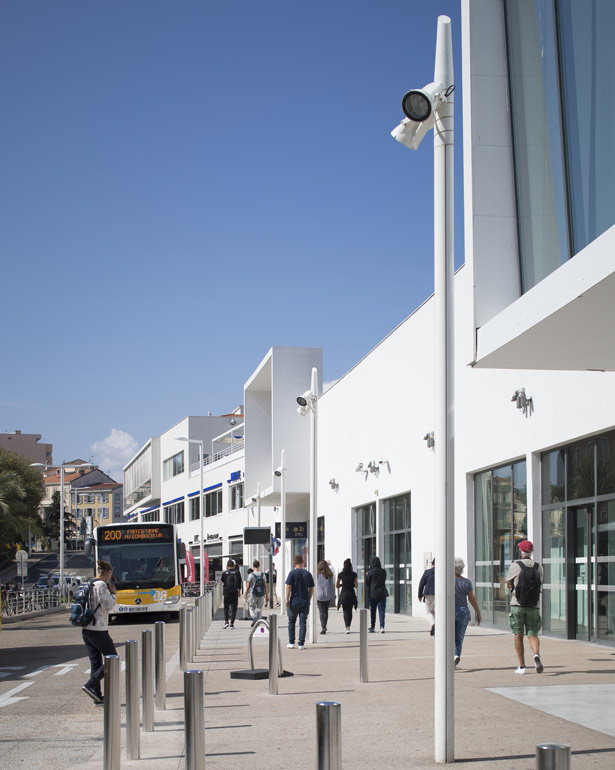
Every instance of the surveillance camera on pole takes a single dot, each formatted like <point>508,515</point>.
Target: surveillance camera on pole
<point>419,106</point>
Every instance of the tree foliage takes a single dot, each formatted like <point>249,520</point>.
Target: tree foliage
<point>51,520</point>
<point>21,491</point>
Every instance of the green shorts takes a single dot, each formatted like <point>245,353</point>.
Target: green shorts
<point>525,620</point>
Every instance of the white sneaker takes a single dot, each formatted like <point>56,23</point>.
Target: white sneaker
<point>520,670</point>
<point>382,630</point>
<point>538,664</point>
<point>302,647</point>
<point>347,630</point>
<point>226,625</point>
<point>457,660</point>
<point>290,646</point>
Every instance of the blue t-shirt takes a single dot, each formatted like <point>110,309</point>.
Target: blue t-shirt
<point>300,581</point>
<point>463,586</point>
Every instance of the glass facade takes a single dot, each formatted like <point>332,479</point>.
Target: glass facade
<point>365,517</point>
<point>398,553</point>
<point>562,95</point>
<point>500,502</point>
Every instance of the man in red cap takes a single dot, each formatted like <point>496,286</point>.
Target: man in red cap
<point>525,580</point>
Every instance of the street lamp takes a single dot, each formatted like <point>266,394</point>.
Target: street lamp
<point>308,404</point>
<point>61,555</point>
<point>432,106</point>
<point>202,512</point>
<point>281,473</point>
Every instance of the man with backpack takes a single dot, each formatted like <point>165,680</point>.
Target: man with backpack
<point>101,599</point>
<point>525,581</point>
<point>256,591</point>
<point>231,590</point>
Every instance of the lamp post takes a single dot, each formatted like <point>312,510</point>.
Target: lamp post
<point>308,404</point>
<point>281,472</point>
<point>201,511</point>
<point>61,554</point>
<point>432,106</point>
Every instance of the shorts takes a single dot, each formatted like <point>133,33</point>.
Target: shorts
<point>525,620</point>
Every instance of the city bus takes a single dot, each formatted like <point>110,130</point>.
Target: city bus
<point>146,558</point>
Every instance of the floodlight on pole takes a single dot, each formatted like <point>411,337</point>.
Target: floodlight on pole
<point>201,512</point>
<point>426,108</point>
<point>280,473</point>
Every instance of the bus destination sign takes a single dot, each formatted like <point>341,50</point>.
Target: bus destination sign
<point>135,534</point>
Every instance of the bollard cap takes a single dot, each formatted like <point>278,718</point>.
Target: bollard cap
<point>550,746</point>
<point>324,703</point>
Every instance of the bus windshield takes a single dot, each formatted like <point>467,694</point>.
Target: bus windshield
<point>140,565</point>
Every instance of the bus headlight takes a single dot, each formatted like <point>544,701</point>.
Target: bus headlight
<point>172,600</point>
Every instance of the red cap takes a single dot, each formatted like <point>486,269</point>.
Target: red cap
<point>526,546</point>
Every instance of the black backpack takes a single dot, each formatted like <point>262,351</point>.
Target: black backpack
<point>258,589</point>
<point>81,614</point>
<point>231,585</point>
<point>528,585</point>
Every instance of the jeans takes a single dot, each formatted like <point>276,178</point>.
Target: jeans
<point>323,609</point>
<point>301,610</point>
<point>98,644</point>
<point>380,605</point>
<point>462,618</point>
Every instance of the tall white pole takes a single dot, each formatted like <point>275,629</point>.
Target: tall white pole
<point>282,572</point>
<point>62,530</point>
<point>313,551</point>
<point>202,517</point>
<point>444,401</point>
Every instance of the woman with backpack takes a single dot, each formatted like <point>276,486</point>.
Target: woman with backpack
<point>257,592</point>
<point>325,593</point>
<point>347,580</point>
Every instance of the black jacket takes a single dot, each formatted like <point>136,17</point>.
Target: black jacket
<point>375,580</point>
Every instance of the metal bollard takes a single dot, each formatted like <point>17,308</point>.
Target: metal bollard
<point>193,719</point>
<point>364,672</point>
<point>183,659</point>
<point>133,721</point>
<point>552,756</point>
<point>199,625</point>
<point>195,631</point>
<point>147,677</point>
<point>273,654</point>
<point>210,612</point>
<point>188,636</point>
<point>112,716</point>
<point>329,731</point>
<point>161,680</point>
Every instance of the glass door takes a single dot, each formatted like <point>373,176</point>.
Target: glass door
<point>583,559</point>
<point>605,568</point>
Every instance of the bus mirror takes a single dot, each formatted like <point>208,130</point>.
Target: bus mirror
<point>181,551</point>
<point>88,546</point>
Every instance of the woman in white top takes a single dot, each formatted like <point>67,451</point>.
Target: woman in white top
<point>96,637</point>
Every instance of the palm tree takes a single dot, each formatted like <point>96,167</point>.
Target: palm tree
<point>12,525</point>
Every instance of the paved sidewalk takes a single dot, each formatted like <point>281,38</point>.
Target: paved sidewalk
<point>388,722</point>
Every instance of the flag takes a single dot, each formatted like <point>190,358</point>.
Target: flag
<point>275,546</point>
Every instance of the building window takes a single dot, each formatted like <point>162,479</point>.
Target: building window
<point>236,496</point>
<point>500,509</point>
<point>213,503</point>
<point>320,538</point>
<point>195,507</point>
<point>151,515</point>
<point>398,552</point>
<point>174,513</point>
<point>105,513</point>
<point>365,517</point>
<point>173,466</point>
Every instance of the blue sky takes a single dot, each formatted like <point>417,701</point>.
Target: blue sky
<point>185,184</point>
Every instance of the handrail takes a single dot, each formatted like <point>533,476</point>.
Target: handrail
<point>236,446</point>
<point>263,622</point>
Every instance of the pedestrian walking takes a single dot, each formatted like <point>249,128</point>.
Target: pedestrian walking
<point>272,584</point>
<point>325,593</point>
<point>257,593</point>
<point>347,599</point>
<point>375,585</point>
<point>231,591</point>
<point>464,592</point>
<point>96,636</point>
<point>299,592</point>
<point>427,594</point>
<point>524,580</point>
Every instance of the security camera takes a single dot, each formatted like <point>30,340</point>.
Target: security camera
<point>278,471</point>
<point>304,399</point>
<point>419,106</point>
<point>359,468</point>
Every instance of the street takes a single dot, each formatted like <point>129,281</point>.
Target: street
<point>46,721</point>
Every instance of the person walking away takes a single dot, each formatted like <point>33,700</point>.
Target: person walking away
<point>524,579</point>
<point>299,592</point>
<point>231,590</point>
<point>257,593</point>
<point>96,637</point>
<point>274,589</point>
<point>375,585</point>
<point>347,581</point>
<point>427,594</point>
<point>464,592</point>
<point>325,593</point>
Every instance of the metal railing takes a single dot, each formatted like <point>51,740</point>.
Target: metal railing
<point>236,446</point>
<point>29,600</point>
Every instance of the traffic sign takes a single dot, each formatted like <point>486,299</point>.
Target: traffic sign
<point>21,555</point>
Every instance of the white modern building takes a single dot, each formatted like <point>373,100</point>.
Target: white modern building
<point>534,426</point>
